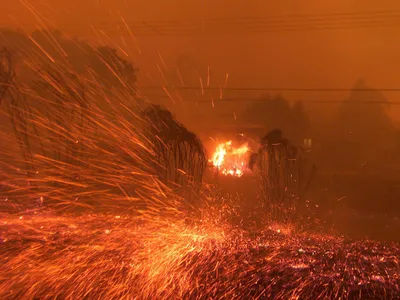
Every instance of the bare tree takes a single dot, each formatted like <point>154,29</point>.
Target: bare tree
<point>66,109</point>
<point>19,112</point>
<point>16,105</point>
<point>6,71</point>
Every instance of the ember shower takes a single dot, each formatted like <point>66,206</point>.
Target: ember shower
<point>90,208</point>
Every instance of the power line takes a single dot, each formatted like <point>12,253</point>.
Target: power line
<point>229,30</point>
<point>261,25</point>
<point>266,89</point>
<point>276,18</point>
<point>257,25</point>
<point>260,100</point>
<point>217,101</point>
<point>198,32</point>
<point>252,100</point>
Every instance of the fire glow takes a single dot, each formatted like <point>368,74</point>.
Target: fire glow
<point>230,160</point>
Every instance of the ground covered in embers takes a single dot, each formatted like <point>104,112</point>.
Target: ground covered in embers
<point>117,257</point>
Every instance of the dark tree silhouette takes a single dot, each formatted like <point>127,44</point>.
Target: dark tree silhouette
<point>68,110</point>
<point>275,112</point>
<point>107,66</point>
<point>113,69</point>
<point>63,70</point>
<point>7,71</point>
<point>362,123</point>
<point>76,56</point>
<point>57,102</point>
<point>363,113</point>
<point>20,112</point>
<point>15,40</point>
<point>180,158</point>
<point>16,105</point>
<point>281,170</point>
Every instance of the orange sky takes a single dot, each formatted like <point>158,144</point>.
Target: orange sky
<point>310,59</point>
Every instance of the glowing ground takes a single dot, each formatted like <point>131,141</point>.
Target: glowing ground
<point>117,257</point>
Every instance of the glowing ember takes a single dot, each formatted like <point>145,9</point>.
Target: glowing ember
<point>73,257</point>
<point>229,159</point>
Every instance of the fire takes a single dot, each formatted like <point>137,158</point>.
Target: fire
<point>230,160</point>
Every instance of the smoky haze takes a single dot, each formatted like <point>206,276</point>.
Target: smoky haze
<point>199,149</point>
<point>317,70</point>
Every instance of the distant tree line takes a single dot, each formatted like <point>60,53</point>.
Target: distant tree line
<point>360,130</point>
<point>276,112</point>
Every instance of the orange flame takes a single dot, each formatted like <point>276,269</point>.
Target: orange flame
<point>229,159</point>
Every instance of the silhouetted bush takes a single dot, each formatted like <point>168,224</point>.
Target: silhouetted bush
<point>281,168</point>
<point>180,156</point>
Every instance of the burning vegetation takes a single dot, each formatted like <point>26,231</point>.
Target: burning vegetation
<point>231,160</point>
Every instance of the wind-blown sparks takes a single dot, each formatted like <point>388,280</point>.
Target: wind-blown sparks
<point>94,159</point>
<point>123,257</point>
